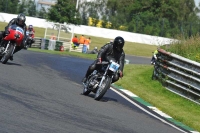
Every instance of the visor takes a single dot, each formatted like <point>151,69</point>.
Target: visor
<point>20,22</point>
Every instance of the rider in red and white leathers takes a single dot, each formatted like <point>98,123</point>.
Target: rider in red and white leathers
<point>19,21</point>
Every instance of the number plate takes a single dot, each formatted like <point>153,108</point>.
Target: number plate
<point>114,67</point>
<point>20,30</point>
<point>27,33</point>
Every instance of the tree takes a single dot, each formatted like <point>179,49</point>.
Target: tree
<point>9,6</point>
<point>22,7</point>
<point>64,11</point>
<point>153,17</point>
<point>12,6</point>
<point>145,16</point>
<point>2,6</point>
<point>31,8</point>
<point>94,9</point>
<point>42,13</point>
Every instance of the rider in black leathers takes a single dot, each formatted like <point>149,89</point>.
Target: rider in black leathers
<point>110,51</point>
<point>19,21</point>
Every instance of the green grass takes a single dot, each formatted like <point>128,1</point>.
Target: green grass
<point>137,79</point>
<point>188,48</point>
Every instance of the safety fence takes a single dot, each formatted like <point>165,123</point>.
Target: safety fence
<point>37,43</point>
<point>51,44</point>
<point>55,45</point>
<point>178,74</point>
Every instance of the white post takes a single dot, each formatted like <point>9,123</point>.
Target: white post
<point>73,25</point>
<point>59,32</point>
<point>45,33</point>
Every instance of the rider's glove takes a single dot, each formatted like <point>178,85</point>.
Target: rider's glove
<point>120,74</point>
<point>6,32</point>
<point>99,60</point>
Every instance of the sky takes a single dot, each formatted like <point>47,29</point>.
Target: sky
<point>197,2</point>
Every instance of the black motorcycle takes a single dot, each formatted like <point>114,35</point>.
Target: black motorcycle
<point>100,80</point>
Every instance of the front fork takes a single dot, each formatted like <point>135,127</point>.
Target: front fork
<point>5,51</point>
<point>104,76</point>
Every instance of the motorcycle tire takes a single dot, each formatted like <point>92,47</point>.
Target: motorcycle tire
<point>6,56</point>
<point>155,74</point>
<point>153,77</point>
<point>102,90</point>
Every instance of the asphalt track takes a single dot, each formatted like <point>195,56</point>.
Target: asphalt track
<point>41,93</point>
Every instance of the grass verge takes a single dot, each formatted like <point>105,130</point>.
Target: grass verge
<point>137,79</point>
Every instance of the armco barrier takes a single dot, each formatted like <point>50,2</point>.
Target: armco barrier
<point>37,43</point>
<point>179,75</point>
<point>50,44</point>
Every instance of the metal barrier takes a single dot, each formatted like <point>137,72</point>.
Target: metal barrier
<point>50,44</point>
<point>47,44</point>
<point>37,43</point>
<point>178,74</point>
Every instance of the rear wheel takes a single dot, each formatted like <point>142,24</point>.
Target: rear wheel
<point>103,88</point>
<point>7,55</point>
<point>155,74</point>
<point>154,77</point>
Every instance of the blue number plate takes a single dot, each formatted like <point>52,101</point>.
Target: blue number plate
<point>114,67</point>
<point>20,30</point>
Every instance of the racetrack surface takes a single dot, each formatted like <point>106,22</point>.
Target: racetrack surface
<point>41,93</point>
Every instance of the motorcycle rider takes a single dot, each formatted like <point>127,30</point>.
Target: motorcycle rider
<point>19,21</point>
<point>154,56</point>
<point>110,51</point>
<point>32,33</point>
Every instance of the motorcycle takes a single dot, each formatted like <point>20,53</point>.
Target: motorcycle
<point>100,80</point>
<point>153,60</point>
<point>155,73</point>
<point>28,40</point>
<point>9,42</point>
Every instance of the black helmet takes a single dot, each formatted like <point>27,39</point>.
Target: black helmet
<point>21,19</point>
<point>118,43</point>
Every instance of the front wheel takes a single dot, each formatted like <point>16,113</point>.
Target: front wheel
<point>7,55</point>
<point>103,88</point>
<point>86,91</point>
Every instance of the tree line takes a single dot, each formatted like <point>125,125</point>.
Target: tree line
<point>27,7</point>
<point>167,18</point>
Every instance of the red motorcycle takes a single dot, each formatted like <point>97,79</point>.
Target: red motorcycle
<point>9,42</point>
